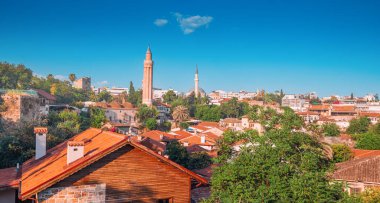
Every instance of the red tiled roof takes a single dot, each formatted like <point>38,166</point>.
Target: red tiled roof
<point>182,134</point>
<point>307,113</point>
<point>196,140</point>
<point>8,178</point>
<point>153,145</point>
<point>195,148</point>
<point>40,174</point>
<point>208,124</point>
<point>361,153</point>
<point>345,108</point>
<point>321,107</point>
<point>365,169</point>
<point>45,95</point>
<point>201,128</point>
<point>369,114</point>
<point>156,135</point>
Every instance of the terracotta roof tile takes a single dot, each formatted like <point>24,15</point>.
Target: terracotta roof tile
<point>344,108</point>
<point>8,178</point>
<point>45,95</point>
<point>363,170</point>
<point>361,153</point>
<point>321,107</point>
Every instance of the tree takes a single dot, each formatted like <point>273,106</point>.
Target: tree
<point>151,124</point>
<point>97,117</point>
<point>341,152</point>
<point>290,120</point>
<point>144,113</point>
<point>352,96</point>
<point>72,77</point>
<point>368,141</point>
<point>69,121</point>
<point>208,113</point>
<point>234,109</point>
<point>134,97</point>
<point>199,160</point>
<point>169,96</point>
<point>359,125</point>
<point>184,125</point>
<point>14,76</point>
<point>180,114</point>
<point>105,96</point>
<point>280,166</point>
<point>177,153</point>
<point>330,129</point>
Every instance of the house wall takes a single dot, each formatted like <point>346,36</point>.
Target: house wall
<point>8,196</point>
<point>132,175</point>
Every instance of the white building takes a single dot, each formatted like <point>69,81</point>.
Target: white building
<point>293,101</point>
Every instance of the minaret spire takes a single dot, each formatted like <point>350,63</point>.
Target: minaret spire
<point>148,78</point>
<point>196,82</point>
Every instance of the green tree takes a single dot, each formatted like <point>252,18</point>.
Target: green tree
<point>184,125</point>
<point>280,166</point>
<point>144,113</point>
<point>69,121</point>
<point>359,125</point>
<point>151,124</point>
<point>230,109</point>
<point>97,117</point>
<point>341,152</point>
<point>177,153</point>
<point>14,76</point>
<point>169,96</point>
<point>290,120</point>
<point>208,113</point>
<point>368,141</point>
<point>105,96</point>
<point>330,129</point>
<point>199,160</point>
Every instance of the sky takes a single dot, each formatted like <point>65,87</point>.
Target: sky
<point>327,46</point>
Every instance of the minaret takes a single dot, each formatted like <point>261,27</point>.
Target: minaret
<point>148,79</point>
<point>196,81</point>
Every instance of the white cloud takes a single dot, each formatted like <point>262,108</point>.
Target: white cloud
<point>104,82</point>
<point>191,23</point>
<point>60,77</point>
<point>160,22</point>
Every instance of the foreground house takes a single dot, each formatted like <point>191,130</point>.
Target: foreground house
<point>101,166</point>
<point>360,173</point>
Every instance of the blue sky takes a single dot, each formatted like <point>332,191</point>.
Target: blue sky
<point>328,46</point>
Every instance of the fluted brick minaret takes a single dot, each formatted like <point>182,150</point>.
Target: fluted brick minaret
<point>196,83</point>
<point>148,79</point>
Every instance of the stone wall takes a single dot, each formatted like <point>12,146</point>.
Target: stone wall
<point>74,194</point>
<point>20,107</point>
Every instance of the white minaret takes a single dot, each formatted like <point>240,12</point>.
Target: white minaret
<point>148,79</point>
<point>196,83</point>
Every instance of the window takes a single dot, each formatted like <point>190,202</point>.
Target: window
<point>75,149</point>
<point>166,200</point>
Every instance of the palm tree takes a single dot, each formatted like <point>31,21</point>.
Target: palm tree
<point>72,77</point>
<point>180,114</point>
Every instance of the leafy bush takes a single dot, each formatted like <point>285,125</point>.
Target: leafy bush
<point>368,141</point>
<point>341,152</point>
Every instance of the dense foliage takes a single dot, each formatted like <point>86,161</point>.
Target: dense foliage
<point>359,125</point>
<point>178,154</point>
<point>341,152</point>
<point>280,166</point>
<point>330,129</point>
<point>368,140</point>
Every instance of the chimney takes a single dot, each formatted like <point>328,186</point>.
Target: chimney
<point>75,151</point>
<point>139,137</point>
<point>40,141</point>
<point>161,137</point>
<point>203,139</point>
